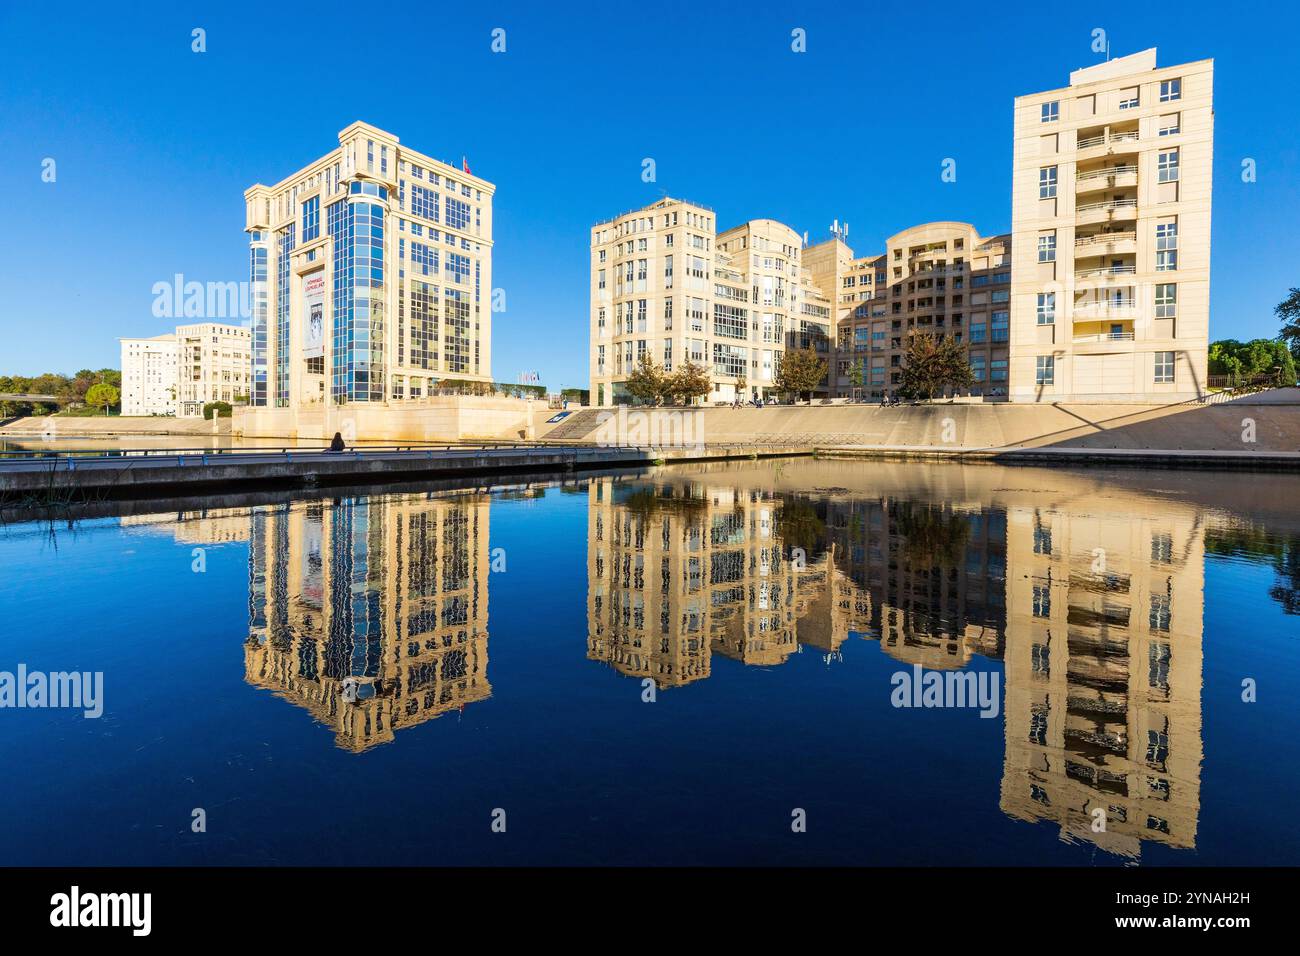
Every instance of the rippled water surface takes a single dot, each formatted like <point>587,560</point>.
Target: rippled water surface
<point>689,665</point>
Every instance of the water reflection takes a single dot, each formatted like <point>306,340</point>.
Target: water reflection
<point>371,613</point>
<point>1096,616</point>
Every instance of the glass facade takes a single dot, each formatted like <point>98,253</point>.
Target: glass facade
<point>357,228</point>
<point>257,275</point>
<point>284,253</point>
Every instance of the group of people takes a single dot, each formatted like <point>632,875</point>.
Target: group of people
<point>758,402</point>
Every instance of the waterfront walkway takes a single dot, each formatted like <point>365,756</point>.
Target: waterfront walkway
<point>29,476</point>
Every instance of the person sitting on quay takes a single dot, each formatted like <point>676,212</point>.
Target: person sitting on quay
<point>337,443</point>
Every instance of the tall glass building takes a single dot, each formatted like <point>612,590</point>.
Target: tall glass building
<point>372,271</point>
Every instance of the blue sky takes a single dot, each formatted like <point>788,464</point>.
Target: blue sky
<point>155,144</point>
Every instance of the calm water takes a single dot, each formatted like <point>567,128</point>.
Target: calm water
<point>366,679</point>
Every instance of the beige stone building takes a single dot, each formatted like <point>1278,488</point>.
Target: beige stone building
<point>149,375</point>
<point>213,365</point>
<point>370,613</point>
<point>664,281</point>
<point>180,372</point>
<point>686,570</point>
<point>940,278</point>
<point>1111,234</point>
<point>1103,671</point>
<point>373,271</point>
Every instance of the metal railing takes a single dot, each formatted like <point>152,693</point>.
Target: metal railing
<point>1105,238</point>
<point>1110,206</point>
<point>276,451</point>
<point>1101,139</point>
<point>1106,271</point>
<point>1105,337</point>
<point>1107,307</point>
<point>1110,171</point>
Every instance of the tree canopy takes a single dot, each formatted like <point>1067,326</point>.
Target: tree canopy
<point>933,363</point>
<point>801,371</point>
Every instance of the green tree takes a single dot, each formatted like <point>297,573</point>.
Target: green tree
<point>933,363</point>
<point>687,383</point>
<point>646,383</point>
<point>216,410</point>
<point>801,371</point>
<point>1288,310</point>
<point>102,395</point>
<point>857,372</point>
<point>1243,361</point>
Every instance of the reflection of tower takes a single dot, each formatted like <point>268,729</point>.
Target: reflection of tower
<point>678,571</point>
<point>1103,701</point>
<point>370,612</point>
<point>927,581</point>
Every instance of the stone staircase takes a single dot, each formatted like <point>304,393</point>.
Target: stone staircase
<point>576,427</point>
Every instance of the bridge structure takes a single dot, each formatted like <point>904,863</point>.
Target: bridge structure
<point>38,399</point>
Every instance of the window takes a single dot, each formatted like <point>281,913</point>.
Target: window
<point>1001,322</point>
<point>1162,547</point>
<point>1047,308</point>
<point>1042,600</point>
<point>1051,112</point>
<point>1045,370</point>
<point>1167,167</point>
<point>1166,301</point>
<point>1128,99</point>
<point>1166,246</point>
<point>1171,90</point>
<point>1047,182</point>
<point>1047,247</point>
<point>424,203</point>
<point>457,213</point>
<point>1164,368</point>
<point>999,370</point>
<point>1170,125</point>
<point>311,219</point>
<point>730,359</point>
<point>1160,615</point>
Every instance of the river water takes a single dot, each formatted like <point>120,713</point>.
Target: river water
<point>768,662</point>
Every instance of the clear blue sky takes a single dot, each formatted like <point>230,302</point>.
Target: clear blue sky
<point>155,144</point>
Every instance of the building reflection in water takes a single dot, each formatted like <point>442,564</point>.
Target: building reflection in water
<point>1096,616</point>
<point>370,613</point>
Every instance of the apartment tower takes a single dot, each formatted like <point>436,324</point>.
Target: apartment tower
<point>664,281</point>
<point>937,278</point>
<point>372,267</point>
<point>149,378</point>
<point>1110,227</point>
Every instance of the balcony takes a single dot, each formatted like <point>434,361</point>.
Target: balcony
<point>1110,210</point>
<point>1106,272</point>
<point>1102,343</point>
<point>1105,243</point>
<point>1104,337</point>
<point>1103,144</point>
<point>1110,177</point>
<point>1113,307</point>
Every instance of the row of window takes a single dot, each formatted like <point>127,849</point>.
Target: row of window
<point>1163,369</point>
<point>1170,90</point>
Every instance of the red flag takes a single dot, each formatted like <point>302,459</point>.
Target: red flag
<point>464,165</point>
